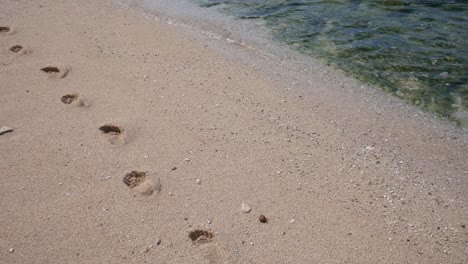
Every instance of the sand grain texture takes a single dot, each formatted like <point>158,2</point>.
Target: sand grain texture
<point>363,186</point>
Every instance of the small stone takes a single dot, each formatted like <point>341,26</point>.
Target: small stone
<point>444,74</point>
<point>262,219</point>
<point>209,221</point>
<point>245,208</point>
<point>11,250</point>
<point>158,242</point>
<point>292,221</point>
<point>5,129</point>
<point>174,168</point>
<point>198,181</point>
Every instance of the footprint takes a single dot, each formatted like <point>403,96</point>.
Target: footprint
<point>69,98</point>
<point>140,182</point>
<point>54,72</point>
<point>20,50</point>
<point>6,30</point>
<point>208,248</point>
<point>114,134</point>
<point>201,236</point>
<point>75,99</point>
<point>16,48</point>
<point>111,130</point>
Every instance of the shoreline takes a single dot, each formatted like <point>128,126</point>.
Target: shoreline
<point>251,43</point>
<point>343,173</point>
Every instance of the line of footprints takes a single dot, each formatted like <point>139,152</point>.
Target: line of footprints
<point>135,180</point>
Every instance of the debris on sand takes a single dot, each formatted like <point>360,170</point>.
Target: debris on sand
<point>245,208</point>
<point>5,129</point>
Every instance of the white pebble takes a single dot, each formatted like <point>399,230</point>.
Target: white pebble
<point>292,221</point>
<point>245,208</point>
<point>198,181</point>
<point>11,250</point>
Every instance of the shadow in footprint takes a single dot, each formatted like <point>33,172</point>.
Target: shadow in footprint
<point>5,30</point>
<point>54,72</point>
<point>16,48</point>
<point>115,135</point>
<point>75,99</point>
<point>111,130</point>
<point>200,236</point>
<point>140,182</point>
<point>69,98</point>
<point>134,178</point>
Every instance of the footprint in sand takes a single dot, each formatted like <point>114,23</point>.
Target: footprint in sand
<point>141,182</point>
<point>75,99</point>
<point>55,72</point>
<point>18,49</point>
<point>6,30</point>
<point>114,134</point>
<point>200,236</point>
<point>208,247</point>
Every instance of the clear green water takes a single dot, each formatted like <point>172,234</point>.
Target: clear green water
<point>417,50</point>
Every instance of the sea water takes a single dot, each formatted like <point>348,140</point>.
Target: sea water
<point>414,49</point>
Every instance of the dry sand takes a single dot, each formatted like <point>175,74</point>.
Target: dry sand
<point>339,178</point>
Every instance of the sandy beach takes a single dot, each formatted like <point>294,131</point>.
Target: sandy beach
<point>128,140</point>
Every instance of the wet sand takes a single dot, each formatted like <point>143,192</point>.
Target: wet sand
<point>134,141</point>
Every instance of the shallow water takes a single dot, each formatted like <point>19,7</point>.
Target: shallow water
<point>417,50</point>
